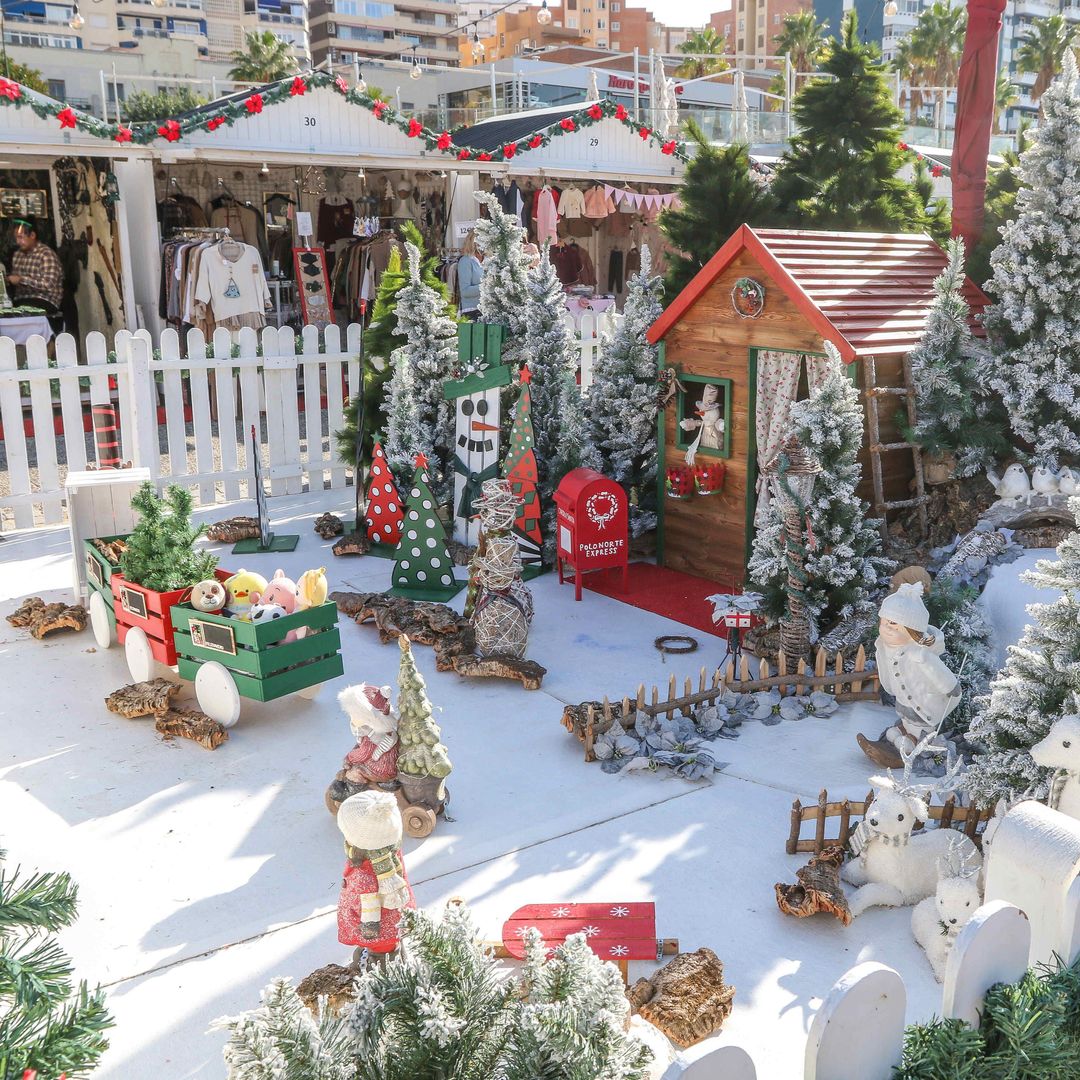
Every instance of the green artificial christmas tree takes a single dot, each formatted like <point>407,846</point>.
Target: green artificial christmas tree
<point>44,1025</point>
<point>843,564</point>
<point>423,569</point>
<point>419,751</point>
<point>719,193</point>
<point>504,286</point>
<point>441,1008</point>
<point>841,169</point>
<point>1037,686</point>
<point>160,552</point>
<point>956,415</point>
<point>622,402</point>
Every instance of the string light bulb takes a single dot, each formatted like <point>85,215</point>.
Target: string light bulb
<point>265,170</point>
<point>543,16</point>
<point>361,82</point>
<point>158,3</point>
<point>477,47</point>
<point>416,72</point>
<point>76,22</point>
<point>890,8</point>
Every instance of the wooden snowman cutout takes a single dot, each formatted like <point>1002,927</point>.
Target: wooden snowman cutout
<point>475,453</point>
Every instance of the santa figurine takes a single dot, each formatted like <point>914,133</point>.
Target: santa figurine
<point>910,669</point>
<point>372,762</point>
<point>374,888</point>
<point>707,421</point>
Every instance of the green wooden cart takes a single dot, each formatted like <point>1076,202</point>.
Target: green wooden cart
<point>229,660</point>
<point>99,572</point>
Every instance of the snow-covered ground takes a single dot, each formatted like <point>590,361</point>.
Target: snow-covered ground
<point>203,875</point>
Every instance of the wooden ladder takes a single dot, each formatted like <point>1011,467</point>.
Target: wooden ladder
<point>873,394</point>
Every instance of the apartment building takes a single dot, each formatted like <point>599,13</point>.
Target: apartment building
<point>750,26</point>
<point>423,31</point>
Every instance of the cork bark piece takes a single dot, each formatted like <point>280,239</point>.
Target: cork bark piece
<point>686,999</point>
<point>41,618</point>
<point>818,888</point>
<point>529,673</point>
<point>233,529</point>
<point>142,698</point>
<point>329,525</point>
<point>335,983</point>
<point>191,724</point>
<point>354,543</point>
<point>111,549</point>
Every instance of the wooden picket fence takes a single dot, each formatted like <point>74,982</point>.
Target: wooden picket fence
<point>590,331</point>
<point>968,820</point>
<point>593,718</point>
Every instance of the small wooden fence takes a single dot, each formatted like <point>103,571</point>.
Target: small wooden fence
<point>968,820</point>
<point>592,718</point>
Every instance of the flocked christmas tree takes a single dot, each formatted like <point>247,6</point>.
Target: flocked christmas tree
<point>423,569</point>
<point>1035,324</point>
<point>621,404</point>
<point>841,169</point>
<point>420,752</point>
<point>520,469</point>
<point>160,553</point>
<point>1039,684</point>
<point>384,513</point>
<point>844,565</point>
<point>955,415</point>
<point>442,1007</point>
<point>419,419</point>
<point>45,1024</point>
<point>504,285</point>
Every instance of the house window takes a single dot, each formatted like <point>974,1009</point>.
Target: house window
<point>704,400</point>
<point>600,24</point>
<point>58,89</point>
<point>616,26</point>
<point>571,22</point>
<point>776,20</point>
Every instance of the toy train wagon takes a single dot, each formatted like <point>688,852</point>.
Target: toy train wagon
<point>226,658</point>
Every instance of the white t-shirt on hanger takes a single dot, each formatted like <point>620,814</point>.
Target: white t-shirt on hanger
<point>232,288</point>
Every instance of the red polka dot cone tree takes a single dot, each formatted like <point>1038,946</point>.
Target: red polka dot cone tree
<point>384,513</point>
<point>423,569</point>
<point>520,469</point>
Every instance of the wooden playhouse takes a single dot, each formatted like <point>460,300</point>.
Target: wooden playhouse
<point>745,337</point>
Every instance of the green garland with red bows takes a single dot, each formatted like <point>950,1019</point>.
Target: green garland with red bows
<point>936,167</point>
<point>228,113</point>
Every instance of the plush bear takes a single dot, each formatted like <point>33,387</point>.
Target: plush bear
<point>209,596</point>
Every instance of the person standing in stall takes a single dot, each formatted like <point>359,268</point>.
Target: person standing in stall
<point>36,273</point>
<point>469,275</point>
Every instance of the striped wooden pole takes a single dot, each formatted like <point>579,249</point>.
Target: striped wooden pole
<point>106,436</point>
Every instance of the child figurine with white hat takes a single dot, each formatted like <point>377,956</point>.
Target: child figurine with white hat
<point>374,889</point>
<point>910,669</point>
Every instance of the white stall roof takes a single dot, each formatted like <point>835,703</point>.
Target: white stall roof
<point>23,131</point>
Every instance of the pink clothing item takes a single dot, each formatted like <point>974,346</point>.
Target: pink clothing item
<point>598,203</point>
<point>651,213</point>
<point>547,217</point>
<point>361,763</point>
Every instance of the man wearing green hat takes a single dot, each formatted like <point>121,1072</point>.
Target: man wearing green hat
<point>36,273</point>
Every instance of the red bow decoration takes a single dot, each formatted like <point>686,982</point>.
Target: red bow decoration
<point>254,104</point>
<point>67,118</point>
<point>668,147</point>
<point>214,123</point>
<point>341,85</point>
<point>901,146</point>
<point>937,170</point>
<point>644,132</point>
<point>621,113</point>
<point>463,155</point>
<point>443,142</point>
<point>10,89</point>
<point>170,130</point>
<point>298,88</point>
<point>567,124</point>
<point>415,127</point>
<point>123,134</point>
<point>483,157</point>
<point>509,150</point>
<point>379,108</point>
<point>596,112</point>
<point>535,141</point>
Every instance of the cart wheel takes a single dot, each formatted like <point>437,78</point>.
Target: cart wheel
<point>418,821</point>
<point>101,621</point>
<point>140,660</point>
<point>217,693</point>
<point>309,692</point>
<point>331,803</point>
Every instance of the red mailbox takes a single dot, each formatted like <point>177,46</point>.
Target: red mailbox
<point>592,524</point>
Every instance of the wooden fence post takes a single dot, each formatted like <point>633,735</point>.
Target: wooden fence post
<point>143,408</point>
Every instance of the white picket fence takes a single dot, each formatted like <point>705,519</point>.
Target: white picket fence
<point>188,419</point>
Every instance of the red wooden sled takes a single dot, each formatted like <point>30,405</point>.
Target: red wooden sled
<point>619,932</point>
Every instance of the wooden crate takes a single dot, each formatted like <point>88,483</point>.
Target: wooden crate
<point>263,667</point>
<point>98,573</point>
<point>149,611</point>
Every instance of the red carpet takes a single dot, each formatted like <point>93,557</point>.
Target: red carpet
<point>676,596</point>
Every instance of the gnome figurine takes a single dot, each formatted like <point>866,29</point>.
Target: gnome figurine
<point>372,762</point>
<point>910,669</point>
<point>374,888</point>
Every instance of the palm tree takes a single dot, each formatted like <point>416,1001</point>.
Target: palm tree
<point>1042,49</point>
<point>710,47</point>
<point>803,39</point>
<point>265,58</point>
<point>929,56</point>
<point>911,67</point>
<point>1005,94</point>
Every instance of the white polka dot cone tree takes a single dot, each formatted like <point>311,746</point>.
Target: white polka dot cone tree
<point>384,514</point>
<point>423,569</point>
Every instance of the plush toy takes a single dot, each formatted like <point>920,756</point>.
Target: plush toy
<point>312,591</point>
<point>208,596</point>
<point>372,762</point>
<point>280,590</point>
<point>239,588</point>
<point>260,613</point>
<point>374,889</point>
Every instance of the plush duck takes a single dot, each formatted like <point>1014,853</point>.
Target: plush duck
<point>240,588</point>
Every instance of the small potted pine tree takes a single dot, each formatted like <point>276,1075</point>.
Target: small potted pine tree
<point>423,764</point>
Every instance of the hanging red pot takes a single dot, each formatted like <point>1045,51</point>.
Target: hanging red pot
<point>709,477</point>
<point>679,481</point>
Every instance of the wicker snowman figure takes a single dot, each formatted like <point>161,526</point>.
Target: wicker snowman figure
<point>504,607</point>
<point>497,506</point>
<point>374,889</point>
